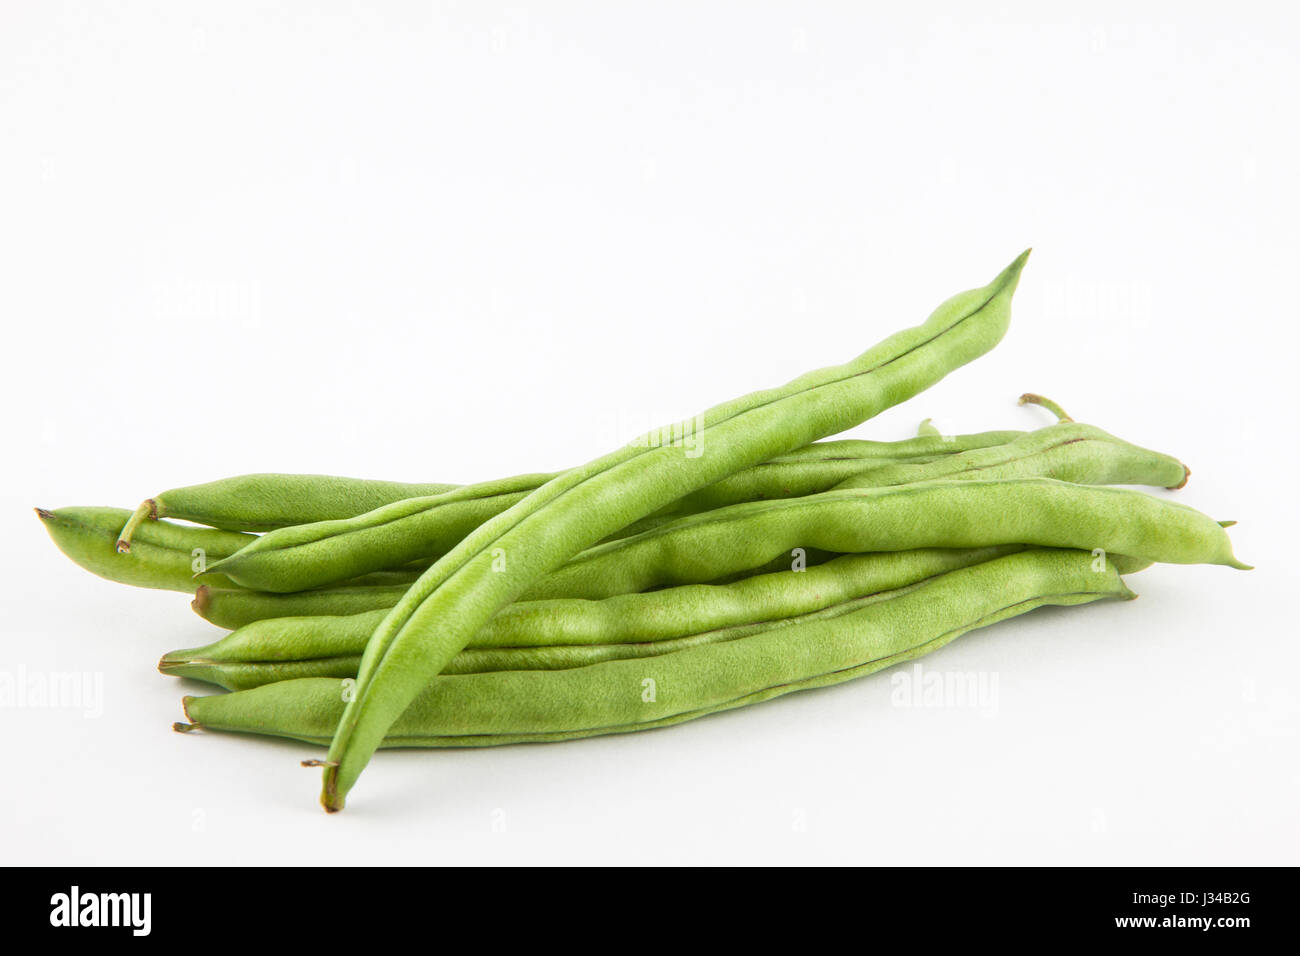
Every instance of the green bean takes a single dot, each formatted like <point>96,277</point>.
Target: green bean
<point>1067,451</point>
<point>167,555</point>
<point>1030,398</point>
<point>817,467</point>
<point>233,607</point>
<point>265,501</point>
<point>500,560</point>
<point>170,555</point>
<point>789,476</point>
<point>639,694</point>
<point>544,634</point>
<point>955,513</point>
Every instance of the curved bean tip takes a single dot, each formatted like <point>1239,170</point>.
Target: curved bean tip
<point>1226,524</point>
<point>183,728</point>
<point>1187,473</point>
<point>1033,398</point>
<point>320,763</point>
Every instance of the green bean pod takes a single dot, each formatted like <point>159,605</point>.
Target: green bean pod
<point>639,694</point>
<point>234,607</point>
<point>550,634</point>
<point>262,502</point>
<point>823,465</point>
<point>166,556</point>
<point>948,514</point>
<point>501,559</point>
<point>1066,451</point>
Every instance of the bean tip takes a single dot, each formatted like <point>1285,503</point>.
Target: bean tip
<point>330,798</point>
<point>44,514</point>
<point>174,662</point>
<point>183,728</point>
<point>1187,473</point>
<point>201,600</point>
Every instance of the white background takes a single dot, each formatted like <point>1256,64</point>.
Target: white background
<point>447,242</point>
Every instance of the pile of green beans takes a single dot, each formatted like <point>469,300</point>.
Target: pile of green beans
<point>665,581</point>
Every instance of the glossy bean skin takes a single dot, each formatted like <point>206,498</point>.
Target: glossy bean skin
<point>558,633</point>
<point>522,706</point>
<point>953,513</point>
<point>501,559</point>
<point>419,530</point>
<point>166,555</point>
<point>261,502</point>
